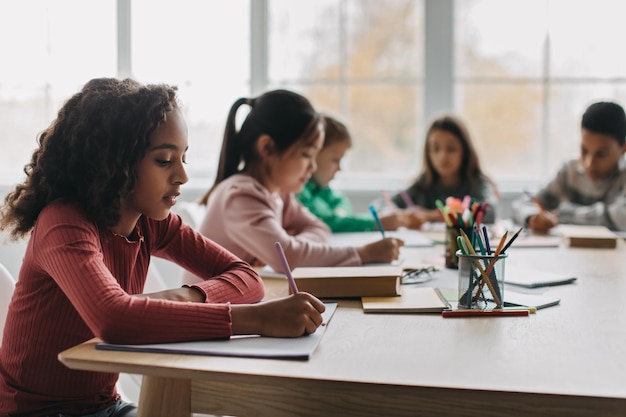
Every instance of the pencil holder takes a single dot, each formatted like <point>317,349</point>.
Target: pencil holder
<point>481,281</point>
<point>451,245</point>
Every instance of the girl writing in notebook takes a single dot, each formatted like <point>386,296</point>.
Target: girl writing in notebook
<point>333,207</point>
<point>96,204</point>
<point>450,168</point>
<point>252,203</point>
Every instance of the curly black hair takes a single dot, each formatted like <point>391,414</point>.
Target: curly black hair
<point>89,152</point>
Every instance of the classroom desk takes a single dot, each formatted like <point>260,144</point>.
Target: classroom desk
<point>567,360</point>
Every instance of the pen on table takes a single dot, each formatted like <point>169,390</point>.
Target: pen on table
<point>478,313</point>
<point>508,306</point>
<point>377,220</point>
<point>283,260</point>
<point>535,200</point>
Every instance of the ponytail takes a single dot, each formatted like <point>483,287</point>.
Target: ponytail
<point>283,115</point>
<point>230,157</point>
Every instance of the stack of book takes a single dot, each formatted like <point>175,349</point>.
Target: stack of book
<point>347,282</point>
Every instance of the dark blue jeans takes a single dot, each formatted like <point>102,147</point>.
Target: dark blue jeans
<point>120,409</point>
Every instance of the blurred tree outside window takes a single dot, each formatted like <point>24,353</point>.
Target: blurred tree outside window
<point>361,60</point>
<point>523,72</point>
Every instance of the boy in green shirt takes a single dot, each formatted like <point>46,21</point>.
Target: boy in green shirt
<point>332,206</point>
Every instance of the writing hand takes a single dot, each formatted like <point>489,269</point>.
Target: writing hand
<point>542,221</point>
<point>385,251</point>
<point>292,316</point>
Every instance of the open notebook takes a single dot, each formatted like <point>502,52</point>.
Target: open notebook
<point>243,346</point>
<point>532,278</point>
<point>411,300</point>
<point>411,238</point>
<point>538,301</point>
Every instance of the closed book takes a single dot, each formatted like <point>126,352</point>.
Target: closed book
<point>348,282</point>
<point>581,236</point>
<point>412,300</point>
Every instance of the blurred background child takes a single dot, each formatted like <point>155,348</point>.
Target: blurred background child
<point>332,206</point>
<point>450,168</point>
<point>588,190</point>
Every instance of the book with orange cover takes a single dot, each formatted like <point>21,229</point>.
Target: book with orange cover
<point>350,281</point>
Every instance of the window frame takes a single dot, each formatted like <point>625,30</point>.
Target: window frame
<point>439,80</point>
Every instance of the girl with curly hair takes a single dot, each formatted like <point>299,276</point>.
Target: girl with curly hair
<point>96,206</point>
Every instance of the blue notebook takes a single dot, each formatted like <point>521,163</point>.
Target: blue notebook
<point>251,346</point>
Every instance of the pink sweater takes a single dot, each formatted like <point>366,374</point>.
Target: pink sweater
<point>75,283</point>
<point>245,218</point>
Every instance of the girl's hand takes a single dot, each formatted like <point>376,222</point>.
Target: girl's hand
<point>409,218</point>
<point>414,219</point>
<point>383,251</point>
<point>392,221</point>
<point>543,221</point>
<point>292,316</point>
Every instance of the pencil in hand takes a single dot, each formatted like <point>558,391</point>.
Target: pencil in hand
<point>535,200</point>
<point>377,220</point>
<point>283,260</point>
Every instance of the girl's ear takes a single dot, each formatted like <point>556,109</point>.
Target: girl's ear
<point>265,146</point>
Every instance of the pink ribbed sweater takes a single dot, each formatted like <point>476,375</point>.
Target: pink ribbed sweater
<point>75,283</point>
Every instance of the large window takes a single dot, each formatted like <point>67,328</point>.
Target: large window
<point>519,72</point>
<point>48,50</point>
<point>202,47</point>
<point>361,60</point>
<point>526,70</point>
